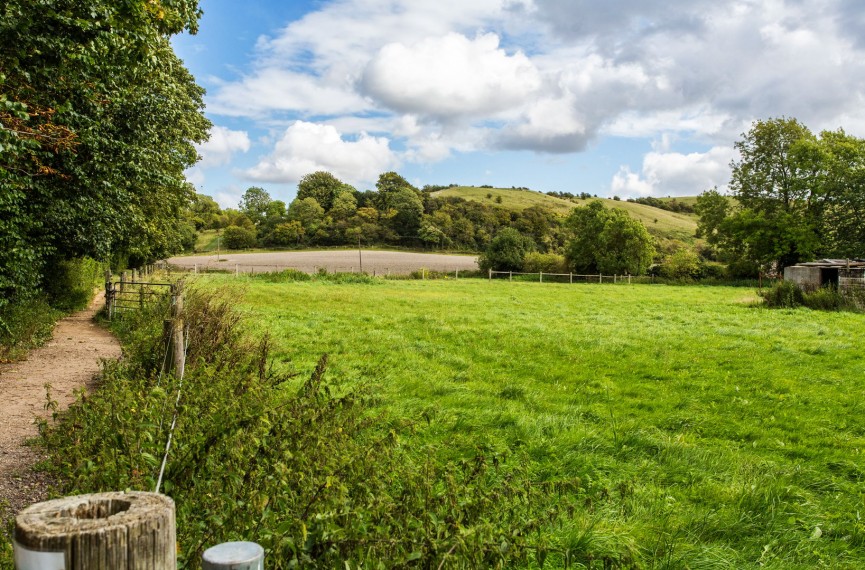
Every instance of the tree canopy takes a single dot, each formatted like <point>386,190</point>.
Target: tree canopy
<point>98,118</point>
<point>796,196</point>
<point>607,241</point>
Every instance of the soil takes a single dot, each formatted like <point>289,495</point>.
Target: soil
<point>69,362</point>
<point>335,261</point>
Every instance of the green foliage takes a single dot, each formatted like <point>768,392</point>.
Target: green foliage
<point>683,264</point>
<point>506,251</point>
<point>70,283</point>
<point>288,233</point>
<point>788,295</point>
<point>798,197</point>
<point>306,468</point>
<point>535,262</point>
<point>99,118</point>
<point>607,241</point>
<point>254,204</point>
<point>324,187</point>
<point>25,325</point>
<point>236,237</point>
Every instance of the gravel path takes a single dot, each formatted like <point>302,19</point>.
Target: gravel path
<point>380,262</point>
<point>68,362</point>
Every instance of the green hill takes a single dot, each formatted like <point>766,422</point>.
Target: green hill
<point>661,223</point>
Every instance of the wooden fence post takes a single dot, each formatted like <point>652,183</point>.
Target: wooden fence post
<point>174,330</point>
<point>542,277</point>
<point>233,556</point>
<point>571,278</point>
<point>124,277</point>
<point>490,274</point>
<point>102,531</point>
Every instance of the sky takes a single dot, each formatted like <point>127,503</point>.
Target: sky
<point>617,97</point>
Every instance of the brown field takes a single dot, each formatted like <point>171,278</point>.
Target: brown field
<point>373,261</point>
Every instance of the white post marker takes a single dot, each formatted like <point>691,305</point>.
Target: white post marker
<point>234,556</point>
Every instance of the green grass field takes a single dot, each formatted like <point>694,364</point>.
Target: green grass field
<point>704,432</point>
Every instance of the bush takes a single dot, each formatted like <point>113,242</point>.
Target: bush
<point>25,325</point>
<point>535,262</point>
<point>682,264</point>
<point>236,237</point>
<point>506,251</point>
<point>786,294</point>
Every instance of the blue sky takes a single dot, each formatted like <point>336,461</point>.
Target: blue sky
<point>622,97</point>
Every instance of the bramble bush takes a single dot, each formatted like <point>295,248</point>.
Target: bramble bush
<point>306,468</point>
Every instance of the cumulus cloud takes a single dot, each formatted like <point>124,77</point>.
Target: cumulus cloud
<point>222,145</point>
<point>450,76</point>
<point>552,75</point>
<point>309,147</point>
<point>675,174</point>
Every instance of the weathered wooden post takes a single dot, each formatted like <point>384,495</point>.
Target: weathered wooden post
<point>457,274</point>
<point>542,277</point>
<point>490,274</point>
<point>234,556</point>
<point>571,278</point>
<point>124,277</point>
<point>179,354</point>
<point>102,531</point>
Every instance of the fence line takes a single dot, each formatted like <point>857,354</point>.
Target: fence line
<point>571,276</point>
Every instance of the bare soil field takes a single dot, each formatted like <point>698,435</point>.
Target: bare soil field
<point>340,261</point>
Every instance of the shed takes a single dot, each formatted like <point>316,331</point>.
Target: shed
<point>842,273</point>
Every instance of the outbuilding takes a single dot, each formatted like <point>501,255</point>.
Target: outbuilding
<point>842,273</point>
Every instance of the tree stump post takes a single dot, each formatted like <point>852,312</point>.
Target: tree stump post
<point>234,556</point>
<point>102,531</point>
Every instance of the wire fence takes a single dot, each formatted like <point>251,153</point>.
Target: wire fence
<point>543,277</point>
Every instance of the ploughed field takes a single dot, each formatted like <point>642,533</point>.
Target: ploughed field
<point>335,261</point>
<point>704,431</point>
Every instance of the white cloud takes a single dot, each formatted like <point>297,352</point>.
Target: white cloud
<point>675,174</point>
<point>309,147</point>
<point>221,146</point>
<point>550,76</point>
<point>450,76</point>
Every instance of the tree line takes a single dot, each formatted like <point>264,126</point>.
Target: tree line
<point>329,212</point>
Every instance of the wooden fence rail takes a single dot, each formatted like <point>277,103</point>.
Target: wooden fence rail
<point>570,276</point>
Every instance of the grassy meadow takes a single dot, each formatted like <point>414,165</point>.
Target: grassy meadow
<point>660,223</point>
<point>702,431</point>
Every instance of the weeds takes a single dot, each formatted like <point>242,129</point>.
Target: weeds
<point>302,467</point>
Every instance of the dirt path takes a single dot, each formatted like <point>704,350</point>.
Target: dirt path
<point>68,362</point>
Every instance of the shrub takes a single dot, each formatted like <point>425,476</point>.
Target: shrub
<point>535,262</point>
<point>784,294</point>
<point>25,325</point>
<point>506,251</point>
<point>236,237</point>
<point>682,264</point>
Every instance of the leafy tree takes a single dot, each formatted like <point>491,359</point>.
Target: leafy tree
<point>255,203</point>
<point>324,187</point>
<point>798,197</point>
<point>607,241</point>
<point>344,206</point>
<point>308,212</point>
<point>205,212</point>
<point>97,123</point>
<point>506,251</point>
<point>236,237</point>
<point>287,233</point>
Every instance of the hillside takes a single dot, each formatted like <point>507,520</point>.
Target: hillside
<point>661,223</point>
